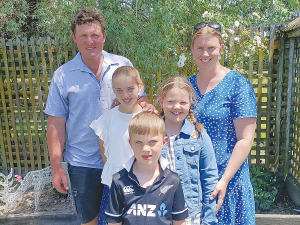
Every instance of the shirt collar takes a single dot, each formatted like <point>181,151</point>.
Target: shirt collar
<point>78,64</point>
<point>163,163</point>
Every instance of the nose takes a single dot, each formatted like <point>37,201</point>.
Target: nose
<point>205,53</point>
<point>89,40</point>
<point>146,148</point>
<point>177,105</point>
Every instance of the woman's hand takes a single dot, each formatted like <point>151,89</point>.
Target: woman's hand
<point>220,190</point>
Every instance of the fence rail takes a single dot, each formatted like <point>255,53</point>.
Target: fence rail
<point>26,69</point>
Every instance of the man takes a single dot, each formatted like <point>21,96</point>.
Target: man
<point>80,92</point>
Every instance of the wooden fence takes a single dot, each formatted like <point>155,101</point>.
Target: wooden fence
<point>26,69</point>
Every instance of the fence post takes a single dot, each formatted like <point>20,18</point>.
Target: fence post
<point>259,97</point>
<point>279,100</point>
<point>289,105</point>
<point>269,94</point>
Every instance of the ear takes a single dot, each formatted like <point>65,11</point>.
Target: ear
<point>73,37</point>
<point>221,48</point>
<point>104,37</point>
<point>165,141</point>
<point>129,142</point>
<point>161,102</point>
<point>192,49</point>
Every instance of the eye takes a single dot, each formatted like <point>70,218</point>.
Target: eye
<point>130,89</point>
<point>183,103</point>
<point>211,48</point>
<point>153,141</point>
<point>96,35</point>
<point>138,142</point>
<point>119,90</point>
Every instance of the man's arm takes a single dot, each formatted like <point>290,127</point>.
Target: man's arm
<point>56,139</point>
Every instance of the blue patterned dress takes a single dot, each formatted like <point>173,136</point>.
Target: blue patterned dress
<point>233,98</point>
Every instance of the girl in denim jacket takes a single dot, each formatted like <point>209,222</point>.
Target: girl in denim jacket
<point>189,150</point>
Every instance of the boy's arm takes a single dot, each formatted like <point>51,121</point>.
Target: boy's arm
<point>102,150</point>
<point>114,223</point>
<point>181,222</point>
<point>179,209</point>
<point>209,178</point>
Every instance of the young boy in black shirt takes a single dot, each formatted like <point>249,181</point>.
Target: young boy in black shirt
<point>146,191</point>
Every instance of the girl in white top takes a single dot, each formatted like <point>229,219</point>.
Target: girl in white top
<point>112,128</point>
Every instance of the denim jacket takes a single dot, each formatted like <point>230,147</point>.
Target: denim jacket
<point>197,168</point>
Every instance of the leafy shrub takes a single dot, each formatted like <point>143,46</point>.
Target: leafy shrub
<point>267,187</point>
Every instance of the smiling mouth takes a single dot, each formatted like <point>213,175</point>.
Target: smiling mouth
<point>176,113</point>
<point>205,60</point>
<point>126,100</point>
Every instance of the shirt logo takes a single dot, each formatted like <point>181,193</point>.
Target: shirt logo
<point>162,209</point>
<point>128,190</point>
<point>142,210</point>
<point>163,190</point>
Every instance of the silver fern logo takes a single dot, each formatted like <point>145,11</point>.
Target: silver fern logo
<point>163,190</point>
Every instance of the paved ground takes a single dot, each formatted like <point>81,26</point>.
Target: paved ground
<point>54,218</point>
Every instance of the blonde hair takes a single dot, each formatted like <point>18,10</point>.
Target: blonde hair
<point>130,72</point>
<point>183,84</point>
<point>207,31</point>
<point>146,123</point>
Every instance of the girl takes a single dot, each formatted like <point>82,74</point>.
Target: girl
<point>189,151</point>
<point>112,127</point>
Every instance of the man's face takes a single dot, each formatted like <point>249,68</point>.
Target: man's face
<point>90,41</point>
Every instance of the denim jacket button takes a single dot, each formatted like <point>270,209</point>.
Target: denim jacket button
<point>192,148</point>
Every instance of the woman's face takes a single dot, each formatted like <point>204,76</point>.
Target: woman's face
<point>206,50</point>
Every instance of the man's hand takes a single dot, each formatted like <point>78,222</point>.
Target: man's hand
<point>59,180</point>
<point>148,107</point>
<point>220,190</point>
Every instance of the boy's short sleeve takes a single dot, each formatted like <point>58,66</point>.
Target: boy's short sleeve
<point>115,205</point>
<point>179,210</point>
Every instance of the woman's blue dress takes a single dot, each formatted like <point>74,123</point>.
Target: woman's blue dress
<point>233,98</point>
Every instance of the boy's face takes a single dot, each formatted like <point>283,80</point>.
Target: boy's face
<point>147,148</point>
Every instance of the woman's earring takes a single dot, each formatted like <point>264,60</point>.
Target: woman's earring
<point>219,57</point>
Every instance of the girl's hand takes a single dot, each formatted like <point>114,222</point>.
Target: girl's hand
<point>220,190</point>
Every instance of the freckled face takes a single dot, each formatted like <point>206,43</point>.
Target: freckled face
<point>176,105</point>
<point>206,50</point>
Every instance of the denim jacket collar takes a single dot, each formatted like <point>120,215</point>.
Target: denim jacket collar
<point>187,127</point>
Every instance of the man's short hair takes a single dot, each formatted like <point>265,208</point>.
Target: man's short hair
<point>88,15</point>
<point>146,123</point>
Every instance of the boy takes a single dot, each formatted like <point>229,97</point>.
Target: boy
<point>146,191</point>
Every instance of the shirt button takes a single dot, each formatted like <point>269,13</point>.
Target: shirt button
<point>192,148</point>
<point>180,177</point>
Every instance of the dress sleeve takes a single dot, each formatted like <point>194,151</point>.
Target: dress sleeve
<point>243,99</point>
<point>209,179</point>
<point>115,206</point>
<point>179,209</point>
<point>101,128</point>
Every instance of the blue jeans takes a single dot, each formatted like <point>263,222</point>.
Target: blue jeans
<point>87,191</point>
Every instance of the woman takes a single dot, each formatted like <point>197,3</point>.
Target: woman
<point>226,106</point>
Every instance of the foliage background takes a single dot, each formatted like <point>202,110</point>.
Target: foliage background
<point>153,34</point>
